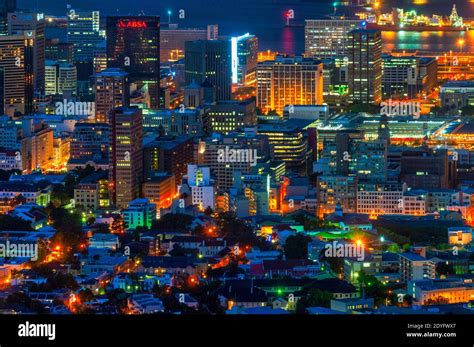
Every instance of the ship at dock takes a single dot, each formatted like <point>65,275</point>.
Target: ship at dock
<point>400,20</point>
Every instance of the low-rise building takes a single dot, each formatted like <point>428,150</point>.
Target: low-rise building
<point>36,193</point>
<point>414,267</point>
<point>140,213</point>
<point>460,236</point>
<point>433,292</point>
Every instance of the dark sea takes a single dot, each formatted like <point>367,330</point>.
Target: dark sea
<point>266,18</point>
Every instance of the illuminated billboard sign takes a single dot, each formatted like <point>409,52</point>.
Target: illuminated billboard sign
<point>136,24</point>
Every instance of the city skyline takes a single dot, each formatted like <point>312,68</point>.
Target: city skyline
<point>318,163</point>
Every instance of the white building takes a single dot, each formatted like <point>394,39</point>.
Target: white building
<point>380,202</point>
<point>414,267</point>
<point>414,202</point>
<point>201,186</point>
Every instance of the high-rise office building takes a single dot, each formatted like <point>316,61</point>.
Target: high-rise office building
<point>168,154</point>
<point>335,80</point>
<point>32,25</point>
<point>90,141</point>
<point>111,91</point>
<point>6,6</point>
<point>230,115</point>
<point>211,61</point>
<point>427,169</point>
<point>350,153</point>
<point>36,146</point>
<point>16,61</point>
<point>407,76</point>
<point>244,59</point>
<point>126,155</point>
<point>328,37</point>
<point>133,45</point>
<point>365,66</point>
<point>83,30</point>
<point>289,81</point>
<point>337,191</point>
<point>173,39</point>
<point>62,52</point>
<point>60,78</point>
<point>289,143</point>
<point>100,57</point>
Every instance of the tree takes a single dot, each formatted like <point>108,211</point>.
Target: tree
<point>314,297</point>
<point>74,177</point>
<point>22,299</point>
<point>359,107</point>
<point>445,268</point>
<point>296,246</point>
<point>118,225</point>
<point>59,196</point>
<point>101,228</point>
<point>69,233</point>
<point>232,227</point>
<point>313,223</point>
<point>208,211</point>
<point>373,288</point>
<point>173,221</point>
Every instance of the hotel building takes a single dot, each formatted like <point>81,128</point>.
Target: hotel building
<point>289,81</point>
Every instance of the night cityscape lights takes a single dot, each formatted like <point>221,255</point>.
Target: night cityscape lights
<point>267,158</point>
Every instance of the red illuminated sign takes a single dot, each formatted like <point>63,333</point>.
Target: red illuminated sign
<point>136,24</point>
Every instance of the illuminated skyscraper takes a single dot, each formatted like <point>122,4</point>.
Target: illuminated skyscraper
<point>211,61</point>
<point>289,81</point>
<point>133,45</point>
<point>328,37</point>
<point>32,25</point>
<point>111,91</point>
<point>84,32</point>
<point>365,66</point>
<point>17,63</point>
<point>126,156</point>
<point>62,52</point>
<point>244,59</point>
<point>408,76</point>
<point>60,78</point>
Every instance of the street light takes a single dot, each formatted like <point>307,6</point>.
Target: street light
<point>169,16</point>
<point>461,43</point>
